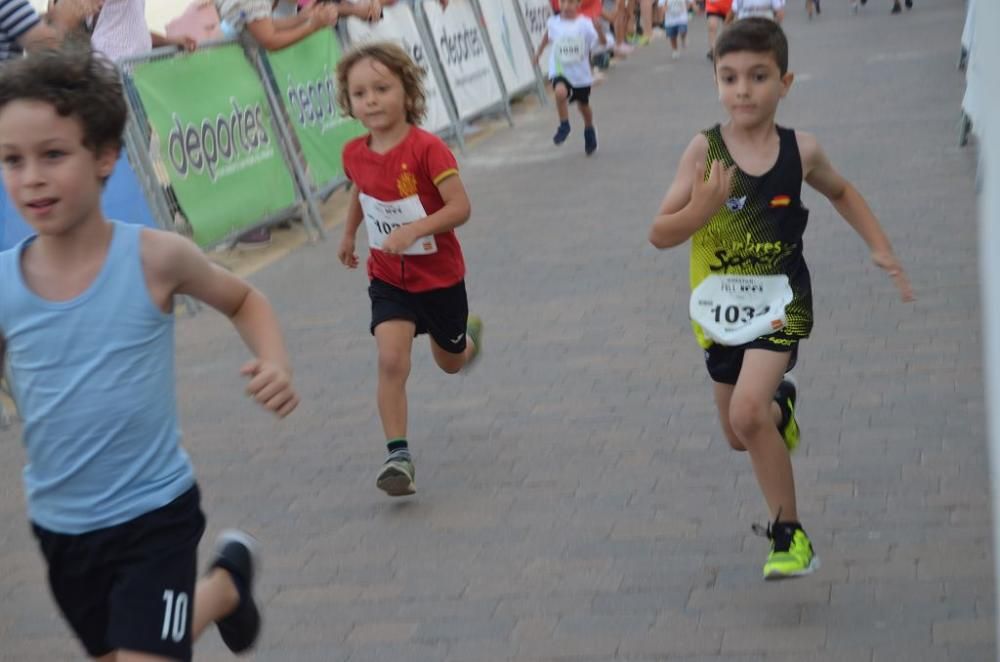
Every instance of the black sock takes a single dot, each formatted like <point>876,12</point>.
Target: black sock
<point>397,445</point>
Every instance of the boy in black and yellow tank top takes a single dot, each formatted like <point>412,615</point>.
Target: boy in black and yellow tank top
<point>736,195</point>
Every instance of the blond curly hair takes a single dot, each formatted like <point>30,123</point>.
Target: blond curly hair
<point>395,59</point>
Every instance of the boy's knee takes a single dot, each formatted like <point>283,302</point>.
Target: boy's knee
<point>452,368</point>
<point>734,441</point>
<point>748,419</point>
<point>393,364</point>
<point>561,92</point>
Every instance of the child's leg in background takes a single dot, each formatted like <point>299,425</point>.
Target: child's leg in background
<point>395,342</point>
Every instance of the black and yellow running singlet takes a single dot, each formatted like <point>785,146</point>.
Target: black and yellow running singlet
<point>758,232</point>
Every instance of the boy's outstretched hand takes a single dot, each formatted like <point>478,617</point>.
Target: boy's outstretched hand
<point>271,386</point>
<point>888,262</point>
<point>711,193</point>
<point>346,253</point>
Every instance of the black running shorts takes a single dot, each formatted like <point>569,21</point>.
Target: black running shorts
<point>580,95</point>
<point>130,586</point>
<point>442,313</point>
<point>724,362</point>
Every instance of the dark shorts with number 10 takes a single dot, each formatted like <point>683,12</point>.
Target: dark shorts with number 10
<point>130,586</point>
<point>724,362</point>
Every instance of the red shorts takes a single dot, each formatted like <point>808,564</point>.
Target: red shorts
<point>720,7</point>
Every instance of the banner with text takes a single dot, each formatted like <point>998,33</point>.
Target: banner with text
<point>509,45</point>
<point>208,112</point>
<point>398,25</point>
<point>306,76</point>
<point>536,18</point>
<point>462,52</point>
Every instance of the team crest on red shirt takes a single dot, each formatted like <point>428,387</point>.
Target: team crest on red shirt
<point>406,183</point>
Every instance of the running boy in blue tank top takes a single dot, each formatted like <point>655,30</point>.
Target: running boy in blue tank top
<point>86,322</point>
<point>736,195</point>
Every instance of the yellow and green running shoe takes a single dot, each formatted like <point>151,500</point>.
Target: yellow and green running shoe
<point>791,552</point>
<point>785,396</point>
<point>474,332</point>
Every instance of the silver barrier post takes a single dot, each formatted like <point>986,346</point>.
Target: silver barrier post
<point>310,212</point>
<point>543,97</point>
<point>484,34</point>
<point>427,36</point>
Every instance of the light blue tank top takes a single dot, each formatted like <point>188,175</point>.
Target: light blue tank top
<point>93,378</point>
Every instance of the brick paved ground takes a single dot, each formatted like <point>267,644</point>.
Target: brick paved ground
<point>576,500</point>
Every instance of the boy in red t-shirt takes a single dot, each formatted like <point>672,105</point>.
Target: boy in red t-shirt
<point>408,193</point>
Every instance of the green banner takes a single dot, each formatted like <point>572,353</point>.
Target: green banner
<point>210,115</point>
<point>306,77</point>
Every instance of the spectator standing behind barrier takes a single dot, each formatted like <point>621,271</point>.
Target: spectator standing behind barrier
<point>120,30</point>
<point>21,28</point>
<point>273,31</point>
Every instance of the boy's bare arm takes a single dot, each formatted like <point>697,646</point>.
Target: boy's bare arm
<point>820,174</point>
<point>346,252</point>
<point>691,200</point>
<point>454,213</point>
<point>541,47</point>
<point>176,266</point>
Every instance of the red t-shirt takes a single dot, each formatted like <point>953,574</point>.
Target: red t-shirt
<point>591,8</point>
<point>413,167</point>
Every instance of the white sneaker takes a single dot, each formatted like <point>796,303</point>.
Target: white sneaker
<point>674,55</point>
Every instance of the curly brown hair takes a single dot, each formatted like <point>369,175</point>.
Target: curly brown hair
<point>395,59</point>
<point>77,82</point>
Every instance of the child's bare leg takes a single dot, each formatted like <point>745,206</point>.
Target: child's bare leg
<point>673,42</point>
<point>395,342</point>
<point>723,396</point>
<point>451,362</point>
<point>562,102</point>
<point>713,27</point>
<point>752,419</point>
<point>621,21</point>
<point>215,597</point>
<point>646,18</point>
<point>587,113</point>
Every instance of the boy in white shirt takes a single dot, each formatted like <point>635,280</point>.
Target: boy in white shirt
<point>675,23</point>
<point>573,38</point>
<point>772,9</point>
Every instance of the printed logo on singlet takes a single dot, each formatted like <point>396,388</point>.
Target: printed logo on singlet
<point>736,204</point>
<point>750,253</point>
<point>780,201</point>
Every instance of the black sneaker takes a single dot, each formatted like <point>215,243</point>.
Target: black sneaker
<point>236,553</point>
<point>896,8</point>
<point>909,4</point>
<point>786,396</point>
<point>561,133</point>
<point>589,140</point>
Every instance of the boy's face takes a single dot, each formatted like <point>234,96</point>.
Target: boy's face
<point>750,86</point>
<point>569,8</point>
<point>378,99</point>
<point>54,180</point>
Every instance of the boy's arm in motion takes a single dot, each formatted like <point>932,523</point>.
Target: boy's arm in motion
<point>454,213</point>
<point>691,199</point>
<point>820,174</point>
<point>346,253</point>
<point>541,48</point>
<point>174,265</point>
